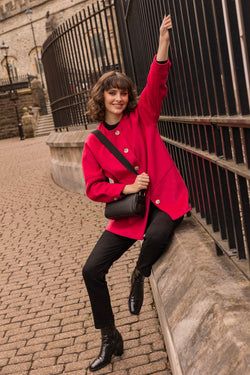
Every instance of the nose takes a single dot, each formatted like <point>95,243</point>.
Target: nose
<point>118,97</point>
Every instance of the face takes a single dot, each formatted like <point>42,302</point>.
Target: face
<point>115,101</point>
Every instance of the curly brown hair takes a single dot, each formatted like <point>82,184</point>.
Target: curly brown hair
<point>112,79</point>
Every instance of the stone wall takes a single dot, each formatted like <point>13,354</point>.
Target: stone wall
<point>8,117</point>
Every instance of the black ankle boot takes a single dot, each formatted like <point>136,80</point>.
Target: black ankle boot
<point>112,343</point>
<point>137,292</point>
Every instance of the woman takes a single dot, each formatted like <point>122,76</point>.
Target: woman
<point>132,128</point>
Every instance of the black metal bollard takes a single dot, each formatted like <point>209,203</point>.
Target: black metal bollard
<point>20,129</point>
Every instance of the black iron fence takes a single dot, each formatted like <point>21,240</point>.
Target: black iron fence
<point>75,56</point>
<point>18,83</point>
<point>205,120</point>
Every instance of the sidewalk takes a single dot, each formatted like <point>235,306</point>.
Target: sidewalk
<point>46,234</point>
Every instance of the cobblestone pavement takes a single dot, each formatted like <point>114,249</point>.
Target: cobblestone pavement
<point>46,234</point>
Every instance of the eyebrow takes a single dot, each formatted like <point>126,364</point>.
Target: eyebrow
<point>116,88</point>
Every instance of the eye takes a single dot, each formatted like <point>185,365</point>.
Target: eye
<point>112,92</point>
<point>124,93</point>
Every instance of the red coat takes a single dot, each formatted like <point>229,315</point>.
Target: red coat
<point>137,137</point>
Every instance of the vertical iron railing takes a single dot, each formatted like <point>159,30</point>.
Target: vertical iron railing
<point>205,120</point>
<point>74,57</point>
<point>20,82</point>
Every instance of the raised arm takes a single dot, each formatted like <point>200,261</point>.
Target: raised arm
<point>155,91</point>
<point>164,39</point>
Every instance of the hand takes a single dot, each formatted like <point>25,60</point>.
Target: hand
<point>165,26</point>
<point>164,40</point>
<point>141,183</point>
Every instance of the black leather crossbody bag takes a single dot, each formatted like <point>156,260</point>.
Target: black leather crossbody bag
<point>131,204</point>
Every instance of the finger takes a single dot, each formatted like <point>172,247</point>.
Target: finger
<point>143,182</point>
<point>145,176</point>
<point>166,18</point>
<point>167,23</point>
<point>144,179</point>
<point>143,186</point>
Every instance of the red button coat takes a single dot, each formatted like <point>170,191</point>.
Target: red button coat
<point>137,137</point>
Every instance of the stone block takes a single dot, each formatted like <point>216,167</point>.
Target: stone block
<point>203,302</point>
<point>66,159</point>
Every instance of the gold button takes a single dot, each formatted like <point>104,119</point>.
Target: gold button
<point>137,168</point>
<point>115,199</point>
<point>157,201</point>
<point>117,132</point>
<point>125,150</point>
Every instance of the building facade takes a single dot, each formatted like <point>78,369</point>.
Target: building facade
<point>25,34</point>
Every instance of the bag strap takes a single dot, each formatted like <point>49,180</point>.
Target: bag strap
<point>102,138</point>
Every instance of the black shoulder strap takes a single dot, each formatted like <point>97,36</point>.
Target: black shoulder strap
<point>114,150</point>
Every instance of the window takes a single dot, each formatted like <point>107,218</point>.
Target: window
<point>12,65</point>
<point>36,62</point>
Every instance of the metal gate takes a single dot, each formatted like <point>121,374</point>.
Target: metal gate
<point>74,56</point>
<point>205,120</point>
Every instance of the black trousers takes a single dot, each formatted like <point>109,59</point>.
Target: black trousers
<point>110,247</point>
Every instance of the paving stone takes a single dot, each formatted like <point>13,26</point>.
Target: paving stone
<point>46,235</point>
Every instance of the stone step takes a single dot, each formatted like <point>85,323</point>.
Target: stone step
<point>46,119</point>
<point>45,125</point>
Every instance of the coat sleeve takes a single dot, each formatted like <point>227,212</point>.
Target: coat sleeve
<point>150,102</point>
<point>97,187</point>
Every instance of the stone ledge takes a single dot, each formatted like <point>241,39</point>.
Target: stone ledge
<point>66,158</point>
<point>67,139</point>
<point>203,302</point>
